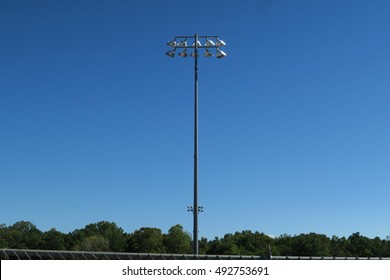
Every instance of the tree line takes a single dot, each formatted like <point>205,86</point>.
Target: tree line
<point>107,236</point>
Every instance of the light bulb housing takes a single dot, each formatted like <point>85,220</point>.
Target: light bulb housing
<point>183,53</point>
<point>198,44</point>
<point>172,43</point>
<point>207,53</point>
<point>220,54</point>
<point>209,43</point>
<point>170,53</point>
<point>193,54</point>
<point>220,43</point>
<point>182,44</point>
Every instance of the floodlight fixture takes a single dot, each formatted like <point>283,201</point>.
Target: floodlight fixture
<point>207,53</point>
<point>209,43</point>
<point>193,53</point>
<point>183,53</point>
<point>198,44</point>
<point>220,43</point>
<point>182,44</point>
<point>170,53</point>
<point>172,43</point>
<point>191,209</point>
<point>220,54</point>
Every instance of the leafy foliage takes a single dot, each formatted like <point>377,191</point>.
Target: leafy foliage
<point>53,240</point>
<point>23,235</point>
<point>177,241</point>
<point>107,236</point>
<point>146,239</point>
<point>95,243</point>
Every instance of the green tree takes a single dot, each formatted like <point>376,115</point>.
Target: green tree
<point>250,243</point>
<point>283,245</point>
<point>3,236</point>
<point>115,235</point>
<point>95,243</point>
<point>53,240</point>
<point>378,247</point>
<point>146,240</point>
<point>203,246</point>
<point>224,246</point>
<point>359,246</point>
<point>24,235</point>
<point>387,247</point>
<point>177,241</point>
<point>311,244</point>
<point>338,247</point>
<point>242,243</point>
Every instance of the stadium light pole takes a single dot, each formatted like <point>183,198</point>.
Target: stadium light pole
<point>196,45</point>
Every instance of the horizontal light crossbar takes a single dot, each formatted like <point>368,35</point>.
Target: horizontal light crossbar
<point>193,37</point>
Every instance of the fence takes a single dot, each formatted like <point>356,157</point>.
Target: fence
<point>24,254</point>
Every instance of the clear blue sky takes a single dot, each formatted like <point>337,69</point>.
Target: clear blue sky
<point>96,122</point>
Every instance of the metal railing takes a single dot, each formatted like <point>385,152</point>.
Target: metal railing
<point>26,254</point>
<point>325,258</point>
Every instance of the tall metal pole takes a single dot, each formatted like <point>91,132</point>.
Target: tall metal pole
<point>219,54</point>
<point>195,210</point>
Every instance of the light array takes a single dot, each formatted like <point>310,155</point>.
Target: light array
<point>191,209</point>
<point>209,42</point>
